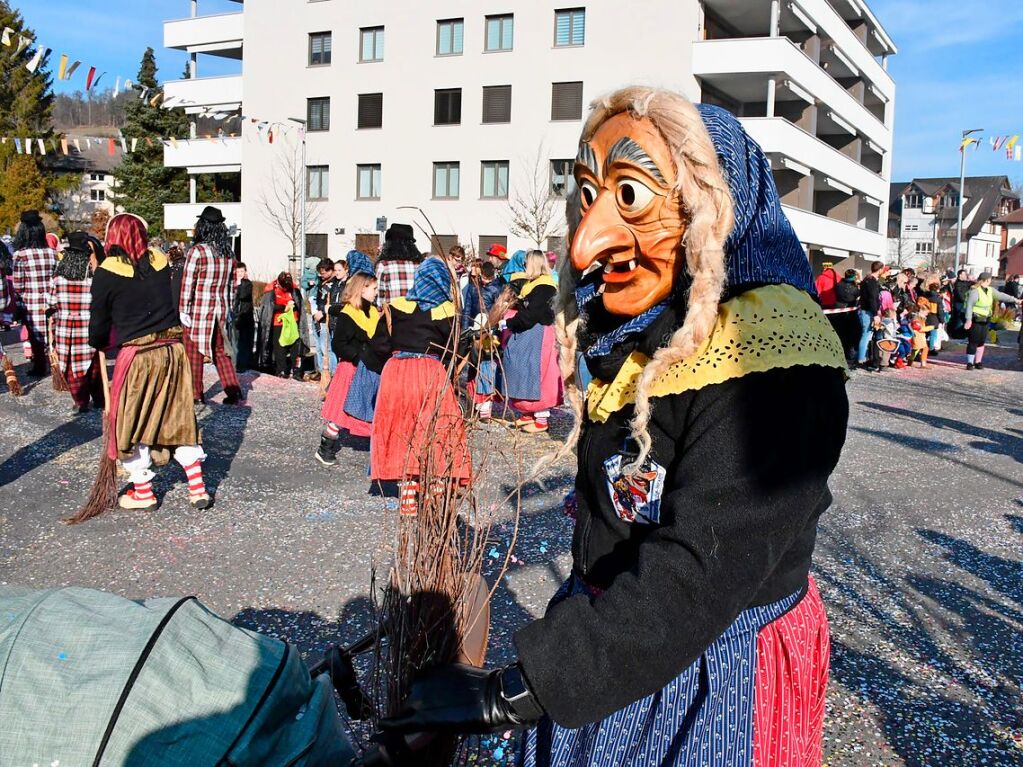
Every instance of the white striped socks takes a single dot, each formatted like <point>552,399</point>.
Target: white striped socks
<point>196,486</point>
<point>331,430</point>
<point>143,491</point>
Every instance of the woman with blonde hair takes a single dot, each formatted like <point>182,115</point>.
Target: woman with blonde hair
<point>532,379</point>
<point>355,322</point>
<point>690,631</point>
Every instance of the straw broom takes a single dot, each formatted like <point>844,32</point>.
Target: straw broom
<point>103,495</point>
<point>13,385</point>
<point>56,373</point>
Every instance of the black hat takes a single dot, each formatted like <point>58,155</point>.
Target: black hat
<point>79,241</point>
<point>212,215</point>
<point>400,232</point>
<point>31,218</point>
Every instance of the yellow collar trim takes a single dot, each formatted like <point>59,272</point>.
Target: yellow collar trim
<point>121,269</point>
<point>776,326</point>
<point>443,311</point>
<point>543,279</point>
<point>367,322</point>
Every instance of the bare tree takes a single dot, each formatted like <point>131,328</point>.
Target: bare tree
<point>74,206</point>
<point>535,212</point>
<point>281,201</point>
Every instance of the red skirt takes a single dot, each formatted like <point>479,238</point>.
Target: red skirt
<point>418,418</point>
<point>333,409</point>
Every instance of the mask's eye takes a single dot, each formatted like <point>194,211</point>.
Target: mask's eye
<point>588,193</point>
<point>633,196</point>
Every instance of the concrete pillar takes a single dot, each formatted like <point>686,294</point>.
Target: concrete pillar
<point>192,190</point>
<point>812,48</point>
<point>794,189</point>
<point>850,146</point>
<point>195,8</point>
<point>799,112</point>
<point>854,86</point>
<point>775,18</point>
<point>861,30</point>
<point>772,87</point>
<point>193,66</point>
<point>837,205</point>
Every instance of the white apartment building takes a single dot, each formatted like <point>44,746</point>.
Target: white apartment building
<point>459,108</point>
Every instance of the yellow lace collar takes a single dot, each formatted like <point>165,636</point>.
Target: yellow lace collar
<point>368,322</point>
<point>776,326</point>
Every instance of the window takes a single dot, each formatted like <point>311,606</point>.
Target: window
<point>316,245</point>
<point>96,176</point>
<point>368,182</point>
<point>318,114</point>
<point>500,33</point>
<point>317,180</point>
<point>371,110</point>
<point>441,244</point>
<point>368,243</point>
<point>913,201</point>
<point>562,180</point>
<point>447,106</point>
<point>566,101</point>
<point>556,245</point>
<point>497,103</point>
<point>319,49</point>
<point>445,180</point>
<point>450,37</point>
<point>486,240</point>
<point>569,27</point>
<point>923,248</point>
<point>912,227</point>
<point>97,195</point>
<point>494,180</point>
<point>371,47</point>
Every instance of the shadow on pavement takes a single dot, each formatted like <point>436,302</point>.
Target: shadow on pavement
<point>74,433</point>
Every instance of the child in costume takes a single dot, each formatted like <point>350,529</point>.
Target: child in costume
<point>690,631</point>
<point>355,322</point>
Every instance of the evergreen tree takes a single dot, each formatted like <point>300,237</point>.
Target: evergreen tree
<point>22,187</point>
<point>144,185</point>
<point>26,98</point>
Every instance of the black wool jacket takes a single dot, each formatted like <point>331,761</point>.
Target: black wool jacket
<point>134,302</point>
<point>347,339</point>
<point>747,464</point>
<point>535,309</point>
<point>419,332</point>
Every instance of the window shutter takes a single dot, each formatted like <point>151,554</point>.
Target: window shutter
<point>486,240</point>
<point>371,110</point>
<point>497,103</point>
<point>316,245</point>
<point>567,101</point>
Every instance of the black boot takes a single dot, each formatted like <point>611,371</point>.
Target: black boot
<point>327,452</point>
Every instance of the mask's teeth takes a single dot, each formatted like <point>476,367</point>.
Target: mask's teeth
<point>632,265</point>
<point>600,290</point>
<point>608,268</point>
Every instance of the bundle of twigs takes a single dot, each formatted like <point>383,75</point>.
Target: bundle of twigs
<point>103,495</point>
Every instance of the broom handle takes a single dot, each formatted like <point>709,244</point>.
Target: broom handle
<point>106,382</point>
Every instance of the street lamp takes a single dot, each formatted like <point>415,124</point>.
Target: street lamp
<point>962,191</point>
<point>304,183</point>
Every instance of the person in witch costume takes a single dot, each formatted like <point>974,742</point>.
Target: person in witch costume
<point>150,413</point>
<point>690,631</point>
<point>206,293</point>
<point>33,264</point>
<point>69,298</point>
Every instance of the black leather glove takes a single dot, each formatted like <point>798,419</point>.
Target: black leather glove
<point>466,700</point>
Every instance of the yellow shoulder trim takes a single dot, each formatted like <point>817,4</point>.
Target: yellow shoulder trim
<point>443,312</point>
<point>543,279</point>
<point>368,323</point>
<point>158,258</point>
<point>403,305</point>
<point>767,328</point>
<point>116,266</point>
<point>516,276</point>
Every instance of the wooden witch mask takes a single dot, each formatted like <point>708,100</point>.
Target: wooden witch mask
<point>631,214</point>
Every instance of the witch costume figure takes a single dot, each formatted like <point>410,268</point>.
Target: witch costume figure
<point>150,413</point>
<point>690,631</point>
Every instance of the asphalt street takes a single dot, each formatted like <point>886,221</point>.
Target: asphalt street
<point>920,560</point>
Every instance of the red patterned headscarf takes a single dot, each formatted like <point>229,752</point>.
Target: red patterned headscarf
<point>129,233</point>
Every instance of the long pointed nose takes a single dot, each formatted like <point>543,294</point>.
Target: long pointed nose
<point>601,234</point>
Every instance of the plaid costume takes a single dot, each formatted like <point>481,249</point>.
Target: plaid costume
<point>205,297</point>
<point>71,299</point>
<point>394,280</point>
<point>33,268</point>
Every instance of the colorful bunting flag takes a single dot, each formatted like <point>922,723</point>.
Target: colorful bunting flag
<point>71,70</point>
<point>88,78</point>
<point>7,36</point>
<point>33,64</point>
<point>62,69</point>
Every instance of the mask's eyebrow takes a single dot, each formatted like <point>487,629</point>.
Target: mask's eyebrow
<point>588,159</point>
<point>628,150</point>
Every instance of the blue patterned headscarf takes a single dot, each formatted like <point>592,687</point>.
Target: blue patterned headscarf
<point>762,248</point>
<point>432,284</point>
<point>359,263</point>
<point>517,263</point>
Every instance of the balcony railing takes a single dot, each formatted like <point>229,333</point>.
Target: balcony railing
<point>183,215</point>
<point>200,154</point>
<point>219,35</point>
<point>823,232</point>
<point>205,92</point>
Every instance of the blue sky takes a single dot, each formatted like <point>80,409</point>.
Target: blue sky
<point>958,66</point>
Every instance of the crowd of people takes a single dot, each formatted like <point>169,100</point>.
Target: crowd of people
<point>893,320</point>
<point>386,338</point>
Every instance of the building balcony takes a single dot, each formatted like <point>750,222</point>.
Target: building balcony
<point>217,35</point>
<point>740,68</point>
<point>205,155</point>
<point>831,236</point>
<point>183,215</point>
<point>205,93</point>
<point>847,52</point>
<point>781,139</point>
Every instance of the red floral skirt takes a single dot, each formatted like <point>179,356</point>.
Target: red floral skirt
<point>418,420</point>
<point>333,409</point>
